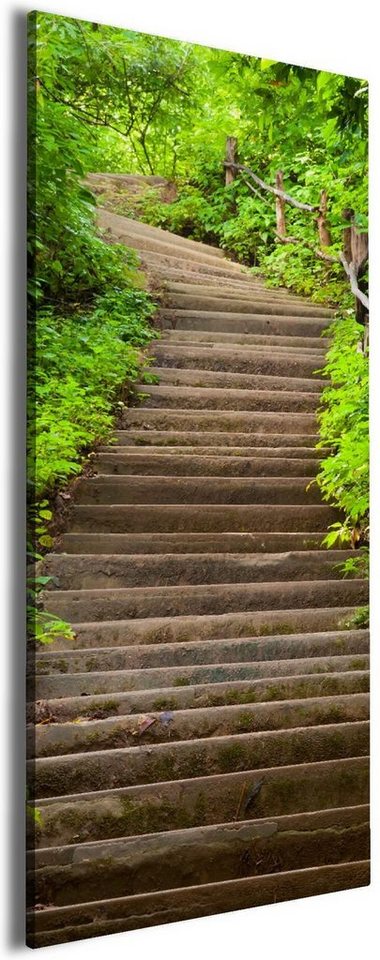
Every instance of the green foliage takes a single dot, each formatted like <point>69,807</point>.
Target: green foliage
<point>343,475</point>
<point>42,627</point>
<point>359,620</point>
<point>357,565</point>
<point>88,315</point>
<point>138,88</point>
<point>81,362</point>
<point>34,813</point>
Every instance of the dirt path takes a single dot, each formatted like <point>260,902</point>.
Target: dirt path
<point>210,737</point>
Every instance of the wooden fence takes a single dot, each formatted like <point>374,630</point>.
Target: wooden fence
<point>354,254</point>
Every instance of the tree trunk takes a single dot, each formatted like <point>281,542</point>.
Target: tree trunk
<point>347,215</point>
<point>280,206</point>
<point>323,229</point>
<point>231,157</point>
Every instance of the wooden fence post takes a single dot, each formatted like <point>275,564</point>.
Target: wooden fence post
<point>323,229</point>
<point>348,216</point>
<point>280,206</point>
<point>355,252</point>
<point>231,157</point>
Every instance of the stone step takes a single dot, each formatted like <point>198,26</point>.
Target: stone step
<point>110,489</point>
<point>256,290</point>
<point>201,802</point>
<point>62,924</point>
<point>235,360</point>
<point>194,279</point>
<point>79,773</point>
<point>240,421</point>
<point>200,695</point>
<point>173,543</point>
<point>241,381</point>
<point>217,398</point>
<point>144,230</point>
<point>121,230</point>
<point>265,322</point>
<point>242,341</point>
<point>292,345</point>
<point>176,264</point>
<point>233,289</point>
<point>55,739</point>
<point>141,602</point>
<point>201,518</point>
<point>250,649</point>
<point>111,682</point>
<point>180,462</point>
<point>253,623</point>
<point>276,445</point>
<point>107,571</point>
<point>129,866</point>
<point>125,179</point>
<point>191,301</point>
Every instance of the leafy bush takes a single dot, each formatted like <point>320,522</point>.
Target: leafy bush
<point>41,626</point>
<point>81,362</point>
<point>343,475</point>
<point>88,317</point>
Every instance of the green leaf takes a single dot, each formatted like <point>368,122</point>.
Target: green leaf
<point>265,64</point>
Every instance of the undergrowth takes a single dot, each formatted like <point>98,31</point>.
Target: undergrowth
<point>343,475</point>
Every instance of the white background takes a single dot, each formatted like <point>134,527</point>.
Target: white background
<point>336,35</point>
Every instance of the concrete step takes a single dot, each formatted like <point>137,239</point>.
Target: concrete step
<point>267,322</point>
<point>217,398</point>
<point>256,290</point>
<point>191,301</point>
<point>131,866</point>
<point>121,230</point>
<point>240,421</point>
<point>204,801</point>
<point>174,263</point>
<point>62,924</point>
<point>191,490</point>
<point>199,696</point>
<point>253,623</point>
<point>54,739</point>
<point>107,571</point>
<point>125,179</point>
<point>173,543</point>
<point>144,230</point>
<point>78,773</point>
<point>142,602</point>
<point>112,682</point>
<point>291,345</point>
<point>201,518</point>
<point>235,360</point>
<point>250,649</point>
<point>240,342</point>
<point>179,376</point>
<point>277,445</point>
<point>180,463</point>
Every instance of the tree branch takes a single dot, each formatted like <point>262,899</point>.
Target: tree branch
<point>256,192</point>
<point>348,267</point>
<point>274,190</point>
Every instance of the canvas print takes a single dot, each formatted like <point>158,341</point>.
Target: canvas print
<point>197,665</point>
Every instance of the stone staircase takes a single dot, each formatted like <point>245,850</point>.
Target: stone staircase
<point>202,744</point>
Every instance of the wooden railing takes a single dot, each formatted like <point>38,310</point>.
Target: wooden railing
<point>354,254</point>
